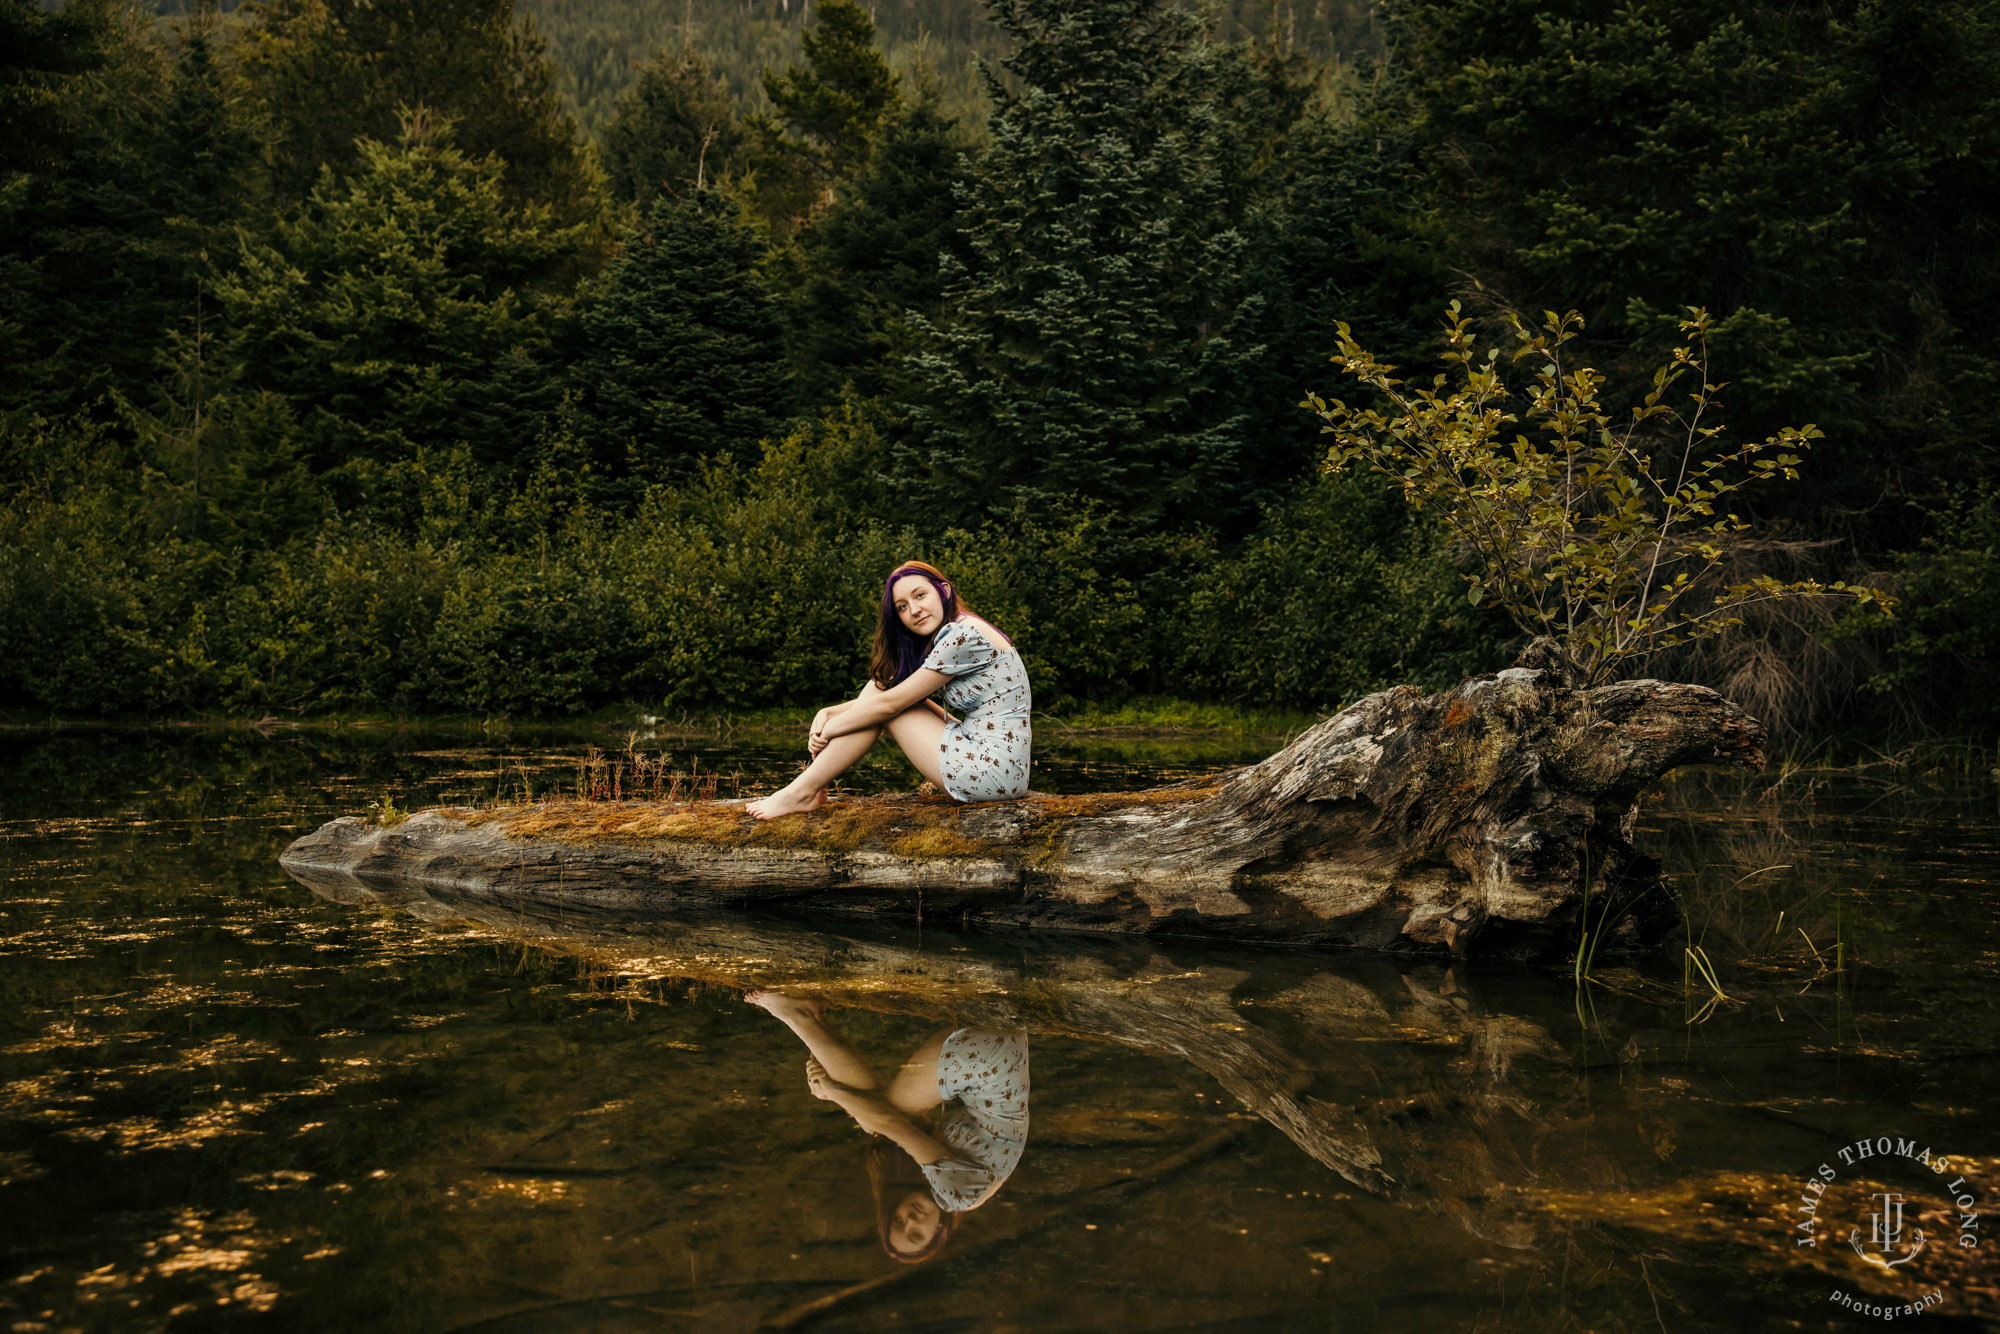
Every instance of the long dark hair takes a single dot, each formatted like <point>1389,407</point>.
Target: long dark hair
<point>897,651</point>
<point>893,1174</point>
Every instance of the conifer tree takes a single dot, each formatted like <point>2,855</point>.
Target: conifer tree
<point>383,309</point>
<point>875,256</point>
<point>834,103</point>
<point>43,54</point>
<point>680,355</point>
<point>332,72</point>
<point>46,61</point>
<point>828,112</point>
<point>676,128</point>
<point>1813,175</point>
<point>109,245</point>
<point>1337,243</point>
<point>1092,347</point>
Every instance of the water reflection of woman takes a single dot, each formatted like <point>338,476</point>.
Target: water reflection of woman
<point>924,1179</point>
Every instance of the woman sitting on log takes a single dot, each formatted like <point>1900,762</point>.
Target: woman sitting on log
<point>924,1179</point>
<point>926,640</point>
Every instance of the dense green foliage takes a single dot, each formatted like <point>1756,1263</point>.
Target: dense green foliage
<point>1821,176</point>
<point>675,129</point>
<point>340,368</point>
<point>379,311</point>
<point>330,73</point>
<point>679,356</point>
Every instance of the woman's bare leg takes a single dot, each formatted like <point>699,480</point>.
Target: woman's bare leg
<point>917,730</point>
<point>805,792</point>
<point>915,1089</point>
<point>806,1019</point>
<point>920,734</point>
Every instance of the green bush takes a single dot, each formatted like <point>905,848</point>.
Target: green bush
<point>1044,581</point>
<point>1943,637</point>
<point>1339,593</point>
<point>344,619</point>
<point>755,587</point>
<point>98,590</point>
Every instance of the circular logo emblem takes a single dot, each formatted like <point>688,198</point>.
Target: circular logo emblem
<point>1884,1215</point>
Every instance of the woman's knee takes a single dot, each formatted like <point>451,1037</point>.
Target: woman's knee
<point>915,1086</point>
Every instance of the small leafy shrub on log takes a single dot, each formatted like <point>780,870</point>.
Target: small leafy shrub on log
<point>1603,536</point>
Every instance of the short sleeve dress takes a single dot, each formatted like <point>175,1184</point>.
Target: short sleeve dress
<point>986,1070</point>
<point>984,754</point>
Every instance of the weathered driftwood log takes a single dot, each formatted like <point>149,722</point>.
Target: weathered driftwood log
<point>1487,815</point>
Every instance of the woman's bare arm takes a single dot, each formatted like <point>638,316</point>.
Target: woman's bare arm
<point>874,1114</point>
<point>878,1118</point>
<point>872,710</point>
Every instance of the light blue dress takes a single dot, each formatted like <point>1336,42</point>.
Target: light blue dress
<point>984,754</point>
<point>986,1071</point>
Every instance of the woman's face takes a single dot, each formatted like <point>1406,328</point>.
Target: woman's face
<point>915,1222</point>
<point>918,605</point>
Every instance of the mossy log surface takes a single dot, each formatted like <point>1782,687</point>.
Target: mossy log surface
<point>1471,819</point>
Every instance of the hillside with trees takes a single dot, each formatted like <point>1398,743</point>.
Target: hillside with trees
<point>448,356</point>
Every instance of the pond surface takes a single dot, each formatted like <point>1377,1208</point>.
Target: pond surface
<point>228,1102</point>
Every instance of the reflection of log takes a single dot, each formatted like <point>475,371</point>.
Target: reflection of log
<point>1396,1078</point>
<point>1476,814</point>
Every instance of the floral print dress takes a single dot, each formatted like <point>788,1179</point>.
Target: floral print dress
<point>987,1072</point>
<point>984,754</point>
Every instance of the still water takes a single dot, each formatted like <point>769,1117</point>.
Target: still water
<point>227,1101</point>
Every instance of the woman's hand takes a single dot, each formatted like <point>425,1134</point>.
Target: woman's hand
<point>822,1085</point>
<point>816,739</point>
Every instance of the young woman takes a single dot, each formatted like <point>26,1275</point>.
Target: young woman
<point>925,1176</point>
<point>926,640</point>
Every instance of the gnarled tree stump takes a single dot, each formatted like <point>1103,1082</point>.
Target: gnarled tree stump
<point>1487,815</point>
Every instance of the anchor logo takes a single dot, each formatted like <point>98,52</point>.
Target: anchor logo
<point>1885,1231</point>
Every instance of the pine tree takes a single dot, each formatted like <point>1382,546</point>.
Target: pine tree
<point>381,311</point>
<point>834,103</point>
<point>333,72</point>
<point>1340,240</point>
<point>675,129</point>
<point>875,257</point>
<point>47,59</point>
<point>110,245</point>
<point>1093,349</point>
<point>680,354</point>
<point>1820,177</point>
<point>43,55</point>
<point>828,112</point>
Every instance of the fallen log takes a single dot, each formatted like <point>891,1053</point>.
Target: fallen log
<point>1487,816</point>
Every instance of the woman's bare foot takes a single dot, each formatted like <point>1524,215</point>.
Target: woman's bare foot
<point>788,1008</point>
<point>787,802</point>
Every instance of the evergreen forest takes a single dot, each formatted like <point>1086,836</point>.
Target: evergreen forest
<point>449,356</point>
